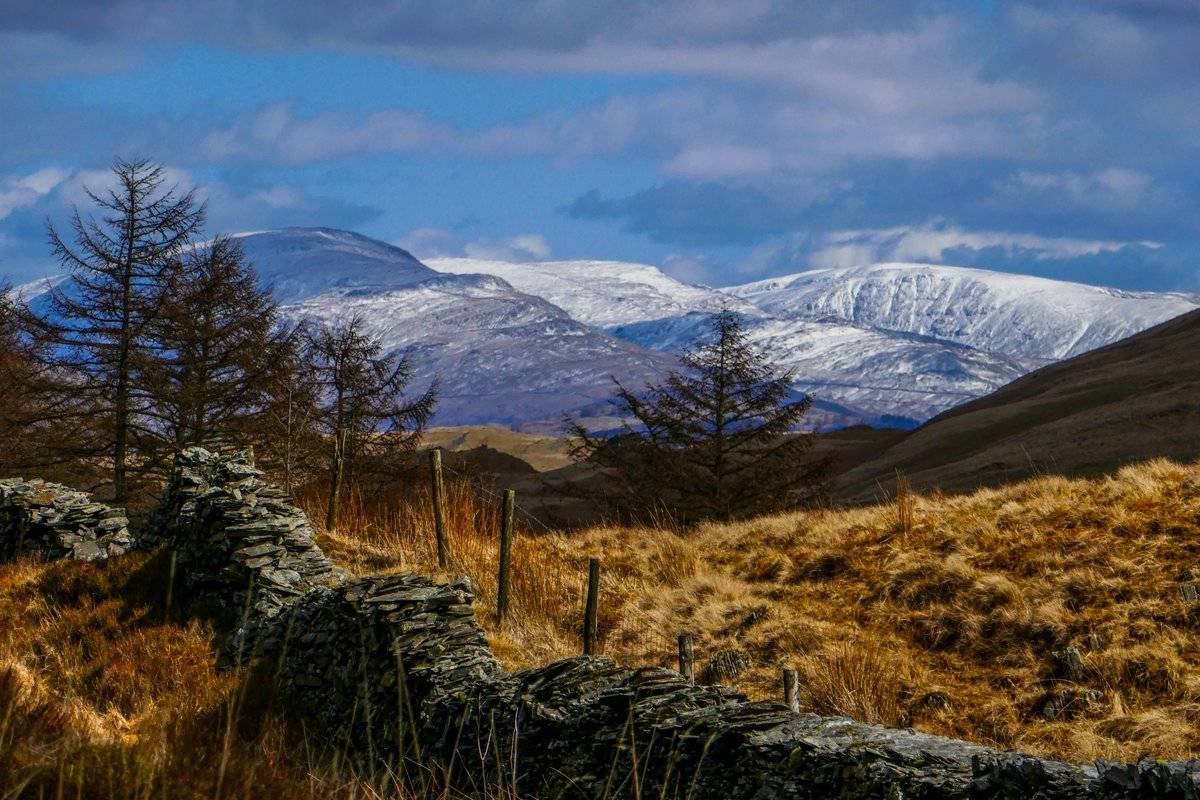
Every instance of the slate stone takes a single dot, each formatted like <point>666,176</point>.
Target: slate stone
<point>32,522</point>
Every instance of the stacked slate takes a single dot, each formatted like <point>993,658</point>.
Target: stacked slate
<point>53,521</point>
<point>234,533</point>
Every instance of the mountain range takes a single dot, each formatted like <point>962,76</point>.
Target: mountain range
<point>523,343</point>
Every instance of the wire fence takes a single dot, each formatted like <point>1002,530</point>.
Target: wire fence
<point>475,480</point>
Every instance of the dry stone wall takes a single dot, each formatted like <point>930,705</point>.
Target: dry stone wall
<point>395,673</point>
<point>242,546</point>
<point>54,521</point>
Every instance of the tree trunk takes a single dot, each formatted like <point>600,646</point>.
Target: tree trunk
<point>336,473</point>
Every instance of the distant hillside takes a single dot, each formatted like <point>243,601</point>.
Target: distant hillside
<point>520,344</point>
<point>540,451</point>
<point>1136,399</point>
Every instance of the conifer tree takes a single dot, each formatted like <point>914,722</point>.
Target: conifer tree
<point>122,263</point>
<point>715,440</point>
<point>362,406</point>
<point>218,343</point>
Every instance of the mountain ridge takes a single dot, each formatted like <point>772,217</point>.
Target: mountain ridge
<point>1021,315</point>
<point>522,343</point>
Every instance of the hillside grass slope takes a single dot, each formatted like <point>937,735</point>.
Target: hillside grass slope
<point>1054,616</point>
<point>1047,616</point>
<point>1129,401</point>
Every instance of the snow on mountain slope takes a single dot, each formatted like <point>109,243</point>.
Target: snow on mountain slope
<point>501,355</point>
<point>1019,315</point>
<point>879,374</point>
<point>600,293</point>
<point>302,262</point>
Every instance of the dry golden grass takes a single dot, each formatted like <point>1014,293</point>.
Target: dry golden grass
<point>102,697</point>
<point>943,612</point>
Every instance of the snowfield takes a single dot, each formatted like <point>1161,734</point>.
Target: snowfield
<point>600,293</point>
<point>996,311</point>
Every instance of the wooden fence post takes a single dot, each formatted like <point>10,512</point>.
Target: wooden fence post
<point>439,508</point>
<point>791,689</point>
<point>687,658</point>
<point>591,607</point>
<point>506,534</point>
<point>171,584</point>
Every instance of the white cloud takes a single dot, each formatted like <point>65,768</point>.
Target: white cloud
<point>932,243</point>
<point>719,161</point>
<point>26,190</point>
<point>440,243</point>
<point>693,269</point>
<point>431,243</point>
<point>1111,189</point>
<point>276,133</point>
<point>522,247</point>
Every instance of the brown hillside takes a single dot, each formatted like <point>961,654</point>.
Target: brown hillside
<point>1055,616</point>
<point>1136,399</point>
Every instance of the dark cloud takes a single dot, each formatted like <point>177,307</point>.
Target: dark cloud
<point>1119,43</point>
<point>540,25</point>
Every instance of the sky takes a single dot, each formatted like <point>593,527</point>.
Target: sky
<point>721,141</point>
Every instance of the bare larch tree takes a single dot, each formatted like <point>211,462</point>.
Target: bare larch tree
<point>363,407</point>
<point>715,440</point>
<point>122,263</point>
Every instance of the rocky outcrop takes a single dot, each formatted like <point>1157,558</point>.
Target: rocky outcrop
<point>394,672</point>
<point>54,521</point>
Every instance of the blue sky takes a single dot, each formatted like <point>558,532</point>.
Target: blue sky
<point>721,141</point>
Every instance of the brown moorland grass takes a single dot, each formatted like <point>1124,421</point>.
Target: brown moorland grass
<point>103,696</point>
<point>941,612</point>
<point>945,613</point>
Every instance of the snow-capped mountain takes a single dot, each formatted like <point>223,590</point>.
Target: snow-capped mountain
<point>523,343</point>
<point>298,263</point>
<point>501,355</point>
<point>885,340</point>
<point>865,374</point>
<point>1019,315</point>
<point>600,293</point>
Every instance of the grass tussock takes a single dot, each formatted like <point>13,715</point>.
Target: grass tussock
<point>103,695</point>
<point>945,613</point>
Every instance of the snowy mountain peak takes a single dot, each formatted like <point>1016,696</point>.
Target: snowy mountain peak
<point>601,293</point>
<point>1019,315</point>
<point>302,262</point>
